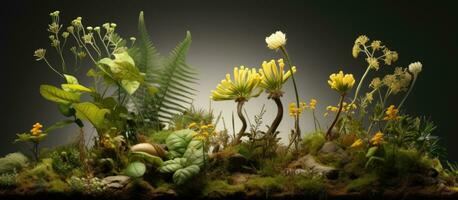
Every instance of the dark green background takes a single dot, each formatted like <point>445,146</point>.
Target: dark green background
<point>228,33</point>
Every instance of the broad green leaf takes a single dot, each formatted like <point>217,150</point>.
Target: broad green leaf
<point>194,156</point>
<point>178,142</point>
<point>71,79</point>
<point>183,175</point>
<point>135,169</point>
<point>130,86</point>
<point>58,125</point>
<point>371,151</point>
<point>92,113</point>
<point>57,95</point>
<point>75,88</point>
<point>66,109</point>
<point>154,160</point>
<point>171,166</point>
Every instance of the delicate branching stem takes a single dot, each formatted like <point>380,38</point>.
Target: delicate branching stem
<point>104,45</point>
<point>35,150</point>
<point>50,66</point>
<point>273,127</point>
<point>408,92</point>
<point>283,50</point>
<point>360,84</point>
<point>329,132</point>
<point>244,123</point>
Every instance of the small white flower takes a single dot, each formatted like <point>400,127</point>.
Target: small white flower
<point>415,68</point>
<point>276,40</point>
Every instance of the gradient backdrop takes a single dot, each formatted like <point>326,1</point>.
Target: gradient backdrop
<point>231,33</point>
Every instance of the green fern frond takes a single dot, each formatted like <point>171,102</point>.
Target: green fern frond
<point>175,94</point>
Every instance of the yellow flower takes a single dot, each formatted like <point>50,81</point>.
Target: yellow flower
<point>375,83</point>
<point>276,40</point>
<point>242,88</point>
<point>341,83</point>
<point>357,144</point>
<point>273,77</point>
<point>390,56</point>
<point>36,130</point>
<point>377,139</point>
<point>312,104</point>
<point>295,111</point>
<point>391,113</point>
<point>192,125</point>
<point>376,44</point>
<point>373,62</point>
<point>362,40</point>
<point>355,50</point>
<point>415,68</point>
<point>39,54</point>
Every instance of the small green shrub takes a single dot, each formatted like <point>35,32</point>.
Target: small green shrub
<point>160,136</point>
<point>65,161</point>
<point>312,143</point>
<point>13,162</point>
<point>8,180</point>
<point>220,188</point>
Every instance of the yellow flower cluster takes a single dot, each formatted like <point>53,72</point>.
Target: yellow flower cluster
<point>242,88</point>
<point>296,111</point>
<point>203,130</point>
<point>36,130</point>
<point>391,113</point>
<point>357,144</point>
<point>346,107</point>
<point>274,76</point>
<point>377,139</point>
<point>398,81</point>
<point>360,46</point>
<point>341,82</point>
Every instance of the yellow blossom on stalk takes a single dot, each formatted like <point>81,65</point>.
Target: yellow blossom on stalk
<point>276,40</point>
<point>373,63</point>
<point>242,88</point>
<point>391,113</point>
<point>341,82</point>
<point>192,125</point>
<point>375,83</point>
<point>36,130</point>
<point>273,77</point>
<point>398,81</point>
<point>357,144</point>
<point>346,108</point>
<point>205,131</point>
<point>312,104</point>
<point>296,111</point>
<point>377,139</point>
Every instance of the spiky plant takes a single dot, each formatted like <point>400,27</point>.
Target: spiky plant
<point>243,88</point>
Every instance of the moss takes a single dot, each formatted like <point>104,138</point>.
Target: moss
<point>8,180</point>
<point>160,136</point>
<point>66,161</point>
<point>310,185</point>
<point>13,162</point>
<point>41,177</point>
<point>313,142</point>
<point>266,184</point>
<point>220,188</point>
<point>362,182</point>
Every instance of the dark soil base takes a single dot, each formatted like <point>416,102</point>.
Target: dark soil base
<point>139,196</point>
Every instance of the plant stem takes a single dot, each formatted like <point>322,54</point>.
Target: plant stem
<point>328,133</point>
<point>242,118</point>
<point>35,150</point>
<point>273,127</point>
<point>297,127</point>
<point>408,92</point>
<point>360,83</point>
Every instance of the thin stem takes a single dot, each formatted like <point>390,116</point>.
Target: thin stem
<point>53,68</point>
<point>328,133</point>
<point>408,92</point>
<point>360,84</point>
<point>244,123</point>
<point>104,45</point>
<point>273,127</point>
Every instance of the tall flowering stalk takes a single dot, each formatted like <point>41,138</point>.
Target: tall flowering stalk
<point>277,41</point>
<point>272,79</point>
<point>241,89</point>
<point>342,83</point>
<point>372,59</point>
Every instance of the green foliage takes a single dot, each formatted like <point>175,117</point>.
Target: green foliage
<point>220,189</point>
<point>91,112</point>
<point>313,142</point>
<point>13,162</point>
<point>65,161</point>
<point>309,184</point>
<point>181,141</point>
<point>146,158</point>
<point>86,185</point>
<point>135,169</point>
<point>160,136</point>
<point>362,183</point>
<point>57,95</point>
<point>191,115</point>
<point>8,180</point>
<point>182,175</point>
<point>42,177</point>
